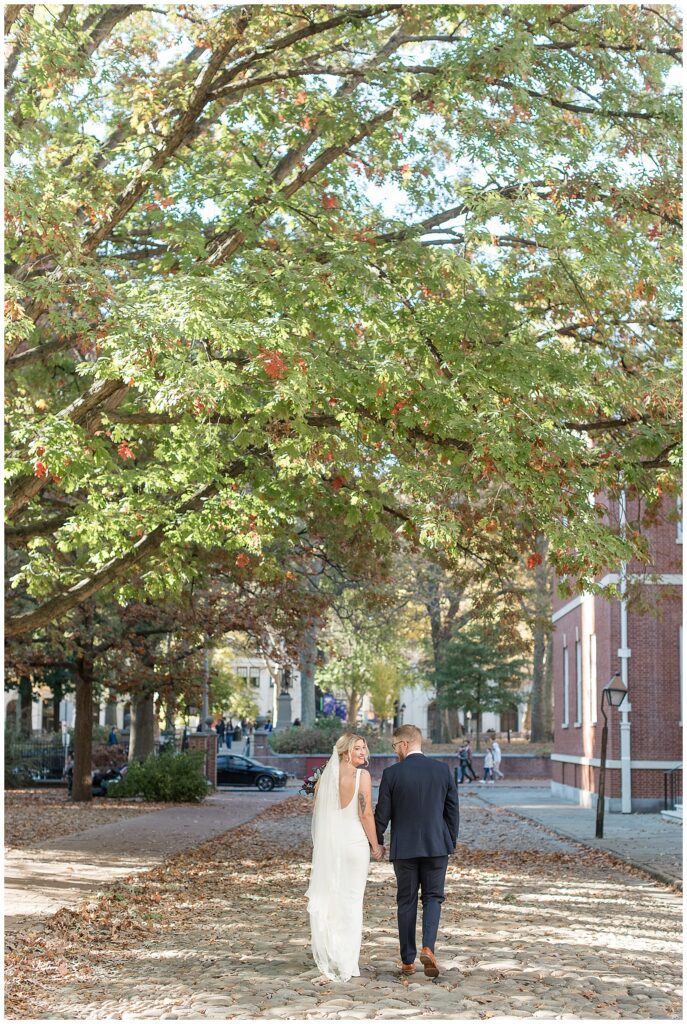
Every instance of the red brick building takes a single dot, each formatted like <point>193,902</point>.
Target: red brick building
<point>641,637</point>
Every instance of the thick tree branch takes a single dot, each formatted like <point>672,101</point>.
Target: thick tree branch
<point>86,411</point>
<point>12,12</point>
<point>54,608</point>
<point>577,108</point>
<point>25,532</point>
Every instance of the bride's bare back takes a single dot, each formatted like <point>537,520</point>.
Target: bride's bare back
<point>346,788</point>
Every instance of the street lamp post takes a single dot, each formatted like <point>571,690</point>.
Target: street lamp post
<point>613,693</point>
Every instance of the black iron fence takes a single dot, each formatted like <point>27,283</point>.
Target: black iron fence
<point>672,788</point>
<point>35,760</point>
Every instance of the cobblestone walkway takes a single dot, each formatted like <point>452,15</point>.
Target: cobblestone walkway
<point>533,926</point>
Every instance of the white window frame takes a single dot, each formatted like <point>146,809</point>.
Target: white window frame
<point>593,691</point>
<point>678,532</point>
<point>254,676</point>
<point>242,672</point>
<point>578,684</point>
<point>566,686</point>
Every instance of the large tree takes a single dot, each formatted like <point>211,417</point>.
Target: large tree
<point>481,669</point>
<point>218,324</point>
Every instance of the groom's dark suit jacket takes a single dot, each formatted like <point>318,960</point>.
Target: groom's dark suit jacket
<point>419,796</point>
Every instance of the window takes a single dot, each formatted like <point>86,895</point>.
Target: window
<point>242,672</point>
<point>592,678</point>
<point>578,683</point>
<point>255,677</point>
<point>678,537</point>
<point>566,685</point>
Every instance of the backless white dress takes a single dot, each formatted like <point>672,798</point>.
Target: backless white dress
<point>341,861</point>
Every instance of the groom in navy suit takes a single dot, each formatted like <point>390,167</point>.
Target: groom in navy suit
<point>419,796</point>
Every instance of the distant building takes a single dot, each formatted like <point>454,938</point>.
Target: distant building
<point>593,639</point>
<point>265,692</point>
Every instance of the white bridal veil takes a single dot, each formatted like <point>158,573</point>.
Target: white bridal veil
<point>324,895</point>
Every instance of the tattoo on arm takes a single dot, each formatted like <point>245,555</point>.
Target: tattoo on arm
<point>362,802</point>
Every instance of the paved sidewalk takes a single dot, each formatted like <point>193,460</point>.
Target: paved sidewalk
<point>534,926</point>
<point>646,841</point>
<point>40,880</point>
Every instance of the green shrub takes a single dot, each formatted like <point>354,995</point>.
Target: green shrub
<point>321,737</point>
<point>170,776</point>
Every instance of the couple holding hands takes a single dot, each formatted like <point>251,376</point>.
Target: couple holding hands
<point>418,796</point>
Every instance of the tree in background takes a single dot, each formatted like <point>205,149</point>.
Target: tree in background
<point>481,669</point>
<point>386,678</point>
<point>231,694</point>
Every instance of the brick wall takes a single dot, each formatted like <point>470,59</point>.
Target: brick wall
<point>513,766</point>
<point>207,743</point>
<point>653,672</point>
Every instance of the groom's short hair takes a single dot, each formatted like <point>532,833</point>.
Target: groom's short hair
<point>411,733</point>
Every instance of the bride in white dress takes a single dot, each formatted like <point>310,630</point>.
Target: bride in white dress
<point>343,831</point>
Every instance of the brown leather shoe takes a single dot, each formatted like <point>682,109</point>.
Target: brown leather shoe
<point>428,961</point>
<point>408,968</point>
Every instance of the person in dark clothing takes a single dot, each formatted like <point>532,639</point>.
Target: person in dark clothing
<point>418,796</point>
<point>220,728</point>
<point>112,738</point>
<point>469,753</point>
<point>466,769</point>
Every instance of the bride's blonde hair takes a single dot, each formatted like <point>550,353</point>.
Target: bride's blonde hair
<point>345,744</point>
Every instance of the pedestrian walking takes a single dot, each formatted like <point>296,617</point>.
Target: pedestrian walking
<point>220,727</point>
<point>496,754</point>
<point>468,750</point>
<point>112,738</point>
<point>466,771</point>
<point>488,768</point>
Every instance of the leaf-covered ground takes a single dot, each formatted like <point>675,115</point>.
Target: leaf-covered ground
<point>533,926</point>
<point>32,816</point>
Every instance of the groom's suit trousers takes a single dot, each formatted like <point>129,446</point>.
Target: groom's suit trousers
<point>428,874</point>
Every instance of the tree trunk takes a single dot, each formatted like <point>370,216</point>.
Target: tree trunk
<point>433,605</point>
<point>352,710</point>
<point>451,724</point>
<point>25,707</point>
<point>83,731</point>
<point>57,695</point>
<point>537,695</point>
<point>541,695</point>
<point>307,657</point>
<point>170,710</point>
<point>111,710</point>
<point>142,735</point>
<point>548,688</point>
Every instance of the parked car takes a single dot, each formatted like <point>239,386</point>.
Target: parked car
<point>244,771</point>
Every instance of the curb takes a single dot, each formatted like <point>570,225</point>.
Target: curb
<point>659,876</point>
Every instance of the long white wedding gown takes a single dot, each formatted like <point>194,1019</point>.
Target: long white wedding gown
<point>340,865</point>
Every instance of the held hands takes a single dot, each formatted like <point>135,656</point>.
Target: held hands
<point>378,853</point>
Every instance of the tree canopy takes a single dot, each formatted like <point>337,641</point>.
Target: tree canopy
<point>384,268</point>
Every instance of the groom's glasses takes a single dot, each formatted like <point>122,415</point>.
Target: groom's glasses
<point>396,743</point>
